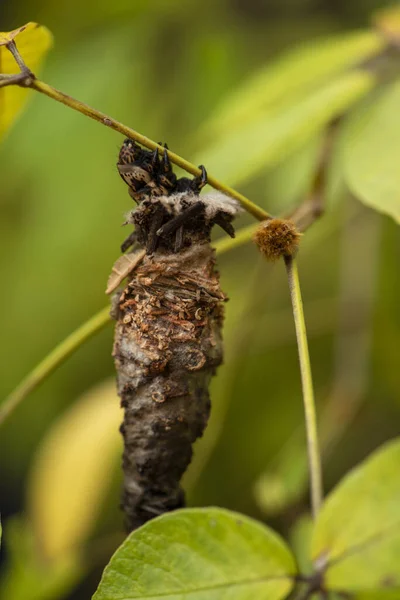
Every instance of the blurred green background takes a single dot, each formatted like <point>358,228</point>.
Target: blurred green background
<point>162,67</point>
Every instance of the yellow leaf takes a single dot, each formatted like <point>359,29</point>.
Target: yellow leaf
<point>6,38</point>
<point>387,21</point>
<point>33,41</point>
<point>73,469</point>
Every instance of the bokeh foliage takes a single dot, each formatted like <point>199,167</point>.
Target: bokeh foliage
<point>164,67</point>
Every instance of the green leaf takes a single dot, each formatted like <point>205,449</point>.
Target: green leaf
<point>299,70</point>
<point>357,533</point>
<point>377,595</point>
<point>371,154</point>
<point>197,554</point>
<point>270,139</point>
<point>33,42</point>
<point>300,541</point>
<point>282,483</point>
<point>292,178</point>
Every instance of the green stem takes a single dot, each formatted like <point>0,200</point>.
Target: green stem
<point>83,108</point>
<point>30,80</point>
<point>53,360</point>
<point>242,236</point>
<point>314,456</point>
<point>83,333</point>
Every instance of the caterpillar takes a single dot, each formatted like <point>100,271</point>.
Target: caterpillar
<point>169,317</point>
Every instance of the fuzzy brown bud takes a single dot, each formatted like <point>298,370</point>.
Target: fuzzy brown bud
<point>277,238</point>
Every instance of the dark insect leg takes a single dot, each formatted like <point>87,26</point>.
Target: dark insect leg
<point>154,159</point>
<point>130,240</point>
<point>184,184</point>
<point>166,161</point>
<point>152,238</point>
<point>221,220</point>
<point>166,176</point>
<point>179,239</point>
<point>181,219</point>
<point>199,181</point>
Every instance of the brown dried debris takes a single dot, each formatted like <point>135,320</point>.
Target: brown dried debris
<point>167,347</point>
<point>277,238</point>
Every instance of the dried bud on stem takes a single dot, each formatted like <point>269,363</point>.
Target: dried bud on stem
<point>277,238</point>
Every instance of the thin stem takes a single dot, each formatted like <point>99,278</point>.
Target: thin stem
<point>314,457</point>
<point>78,337</point>
<point>88,111</point>
<point>12,47</point>
<point>52,361</point>
<point>17,79</point>
<point>242,236</point>
<point>31,81</point>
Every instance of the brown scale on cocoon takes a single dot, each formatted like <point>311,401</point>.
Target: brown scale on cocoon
<point>276,238</point>
<point>167,347</point>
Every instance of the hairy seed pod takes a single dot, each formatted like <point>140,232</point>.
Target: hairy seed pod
<point>167,347</point>
<point>277,238</point>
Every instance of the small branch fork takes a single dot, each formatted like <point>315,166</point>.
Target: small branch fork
<point>311,585</point>
<point>25,78</point>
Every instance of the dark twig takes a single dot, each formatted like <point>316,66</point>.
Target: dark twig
<point>25,70</point>
<point>313,207</point>
<point>17,79</point>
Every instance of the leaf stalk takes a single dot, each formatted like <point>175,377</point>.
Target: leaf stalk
<point>314,456</point>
